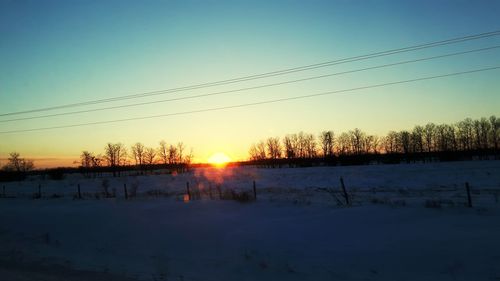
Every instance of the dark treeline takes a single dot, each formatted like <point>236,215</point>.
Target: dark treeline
<point>17,168</point>
<point>117,158</point>
<point>464,140</point>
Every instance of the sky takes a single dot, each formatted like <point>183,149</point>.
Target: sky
<point>63,52</point>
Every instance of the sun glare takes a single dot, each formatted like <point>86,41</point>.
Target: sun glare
<point>219,159</point>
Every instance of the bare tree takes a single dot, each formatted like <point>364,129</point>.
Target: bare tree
<point>189,158</point>
<point>417,139</point>
<point>115,155</point>
<point>17,164</point>
<point>485,128</point>
<point>428,133</point>
<point>138,151</point>
<point>289,147</point>
<point>326,139</point>
<point>357,141</point>
<point>445,138</point>
<point>254,154</point>
<point>465,134</point>
<point>163,152</point>
<point>258,151</point>
<point>261,150</point>
<point>311,146</point>
<point>97,160</point>
<point>87,159</point>
<point>172,154</point>
<point>404,140</point>
<point>149,156</point>
<point>273,148</point>
<point>370,144</point>
<point>301,145</point>
<point>180,152</point>
<point>495,131</point>
<point>344,144</point>
<point>391,143</point>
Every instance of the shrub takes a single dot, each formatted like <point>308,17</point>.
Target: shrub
<point>242,197</point>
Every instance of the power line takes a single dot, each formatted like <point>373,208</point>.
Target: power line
<point>256,103</point>
<point>251,88</point>
<point>267,74</point>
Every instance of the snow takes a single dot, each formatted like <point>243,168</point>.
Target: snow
<point>278,237</point>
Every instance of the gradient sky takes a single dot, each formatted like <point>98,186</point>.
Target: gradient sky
<point>60,52</point>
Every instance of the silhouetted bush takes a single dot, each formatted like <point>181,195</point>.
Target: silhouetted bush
<point>242,197</point>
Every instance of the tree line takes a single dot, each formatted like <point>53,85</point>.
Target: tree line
<point>459,140</point>
<point>16,167</point>
<point>116,157</point>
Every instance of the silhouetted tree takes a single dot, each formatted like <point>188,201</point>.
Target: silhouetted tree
<point>485,128</point>
<point>163,151</point>
<point>149,156</point>
<point>17,164</point>
<point>370,143</point>
<point>311,146</point>
<point>115,155</point>
<point>180,152</point>
<point>254,154</point>
<point>391,143</point>
<point>428,133</point>
<point>138,152</point>
<point>344,144</point>
<point>87,159</point>
<point>417,139</point>
<point>97,161</point>
<point>273,148</point>
<point>404,141</point>
<point>326,139</point>
<point>289,147</point>
<point>465,134</point>
<point>189,158</point>
<point>357,140</point>
<point>495,131</point>
<point>444,141</point>
<point>172,154</point>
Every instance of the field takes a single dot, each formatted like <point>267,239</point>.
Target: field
<point>394,222</point>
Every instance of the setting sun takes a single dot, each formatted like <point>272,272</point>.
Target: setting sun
<point>219,159</point>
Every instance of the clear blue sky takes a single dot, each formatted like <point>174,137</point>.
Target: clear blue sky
<point>59,52</point>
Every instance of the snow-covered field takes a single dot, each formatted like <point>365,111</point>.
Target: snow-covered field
<point>298,229</point>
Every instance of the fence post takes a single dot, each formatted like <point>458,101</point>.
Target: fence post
<point>79,193</point>
<point>469,199</point>
<point>188,191</point>
<point>3,192</point>
<point>39,190</point>
<point>254,191</point>
<point>344,191</point>
<point>125,191</point>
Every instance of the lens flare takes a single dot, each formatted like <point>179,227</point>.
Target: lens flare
<point>219,159</point>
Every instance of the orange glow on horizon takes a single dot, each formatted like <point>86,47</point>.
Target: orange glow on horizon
<point>219,159</point>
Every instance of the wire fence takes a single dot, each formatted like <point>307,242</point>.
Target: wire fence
<point>342,196</point>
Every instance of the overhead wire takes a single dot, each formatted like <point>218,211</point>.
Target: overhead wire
<point>257,103</point>
<point>251,88</point>
<point>264,75</point>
